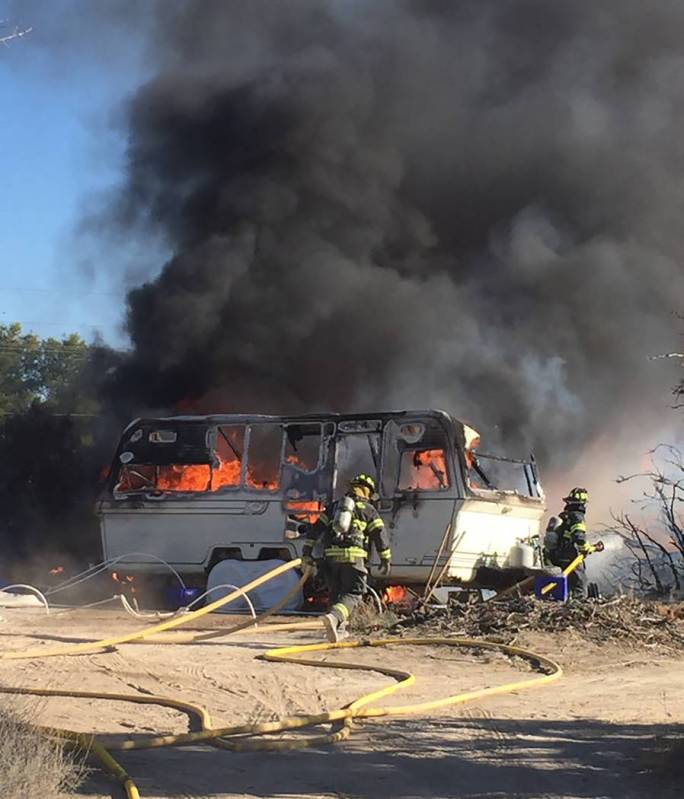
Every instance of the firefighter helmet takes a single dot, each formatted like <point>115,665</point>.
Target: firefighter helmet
<point>364,481</point>
<point>577,496</point>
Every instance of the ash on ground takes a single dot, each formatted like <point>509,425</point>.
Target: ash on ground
<point>641,622</point>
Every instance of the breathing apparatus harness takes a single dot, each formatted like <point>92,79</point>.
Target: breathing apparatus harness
<point>347,530</point>
<point>342,523</point>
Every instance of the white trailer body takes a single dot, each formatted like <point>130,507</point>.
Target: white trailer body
<point>193,490</point>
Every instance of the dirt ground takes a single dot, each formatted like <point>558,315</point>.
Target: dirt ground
<point>605,730</point>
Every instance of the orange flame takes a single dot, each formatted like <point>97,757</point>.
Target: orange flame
<point>194,477</point>
<point>395,594</point>
<point>304,510</point>
<point>261,485</point>
<point>198,477</point>
<point>427,470</point>
<point>226,474</point>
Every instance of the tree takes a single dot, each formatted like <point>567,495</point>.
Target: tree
<point>658,550</point>
<point>51,444</point>
<point>41,371</point>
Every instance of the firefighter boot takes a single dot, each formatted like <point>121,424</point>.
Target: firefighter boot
<point>331,624</point>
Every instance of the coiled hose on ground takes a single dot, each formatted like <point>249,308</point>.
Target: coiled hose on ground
<point>252,736</point>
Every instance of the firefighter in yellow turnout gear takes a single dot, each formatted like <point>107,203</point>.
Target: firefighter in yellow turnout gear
<point>568,539</point>
<point>347,530</point>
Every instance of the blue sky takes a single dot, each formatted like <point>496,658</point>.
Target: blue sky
<point>58,151</point>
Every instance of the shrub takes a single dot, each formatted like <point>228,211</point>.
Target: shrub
<point>32,764</point>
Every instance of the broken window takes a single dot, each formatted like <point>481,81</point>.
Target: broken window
<point>228,449</point>
<point>170,477</point>
<point>508,474</point>
<point>158,459</point>
<point>423,470</point>
<point>303,446</point>
<point>135,477</point>
<point>183,477</point>
<point>263,457</point>
<point>414,457</point>
<point>304,510</point>
<point>356,454</point>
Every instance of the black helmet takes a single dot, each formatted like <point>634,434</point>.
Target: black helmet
<point>578,496</point>
<point>364,481</point>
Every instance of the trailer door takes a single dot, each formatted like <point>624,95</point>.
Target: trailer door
<point>418,492</point>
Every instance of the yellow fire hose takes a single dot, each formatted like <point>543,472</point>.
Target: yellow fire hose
<point>147,632</point>
<point>221,736</point>
<point>566,571</point>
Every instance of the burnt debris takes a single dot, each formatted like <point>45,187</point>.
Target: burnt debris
<point>629,619</point>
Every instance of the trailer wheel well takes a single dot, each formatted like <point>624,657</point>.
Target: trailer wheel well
<point>274,553</point>
<point>224,553</point>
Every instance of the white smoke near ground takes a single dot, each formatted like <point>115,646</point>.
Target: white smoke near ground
<point>621,568</point>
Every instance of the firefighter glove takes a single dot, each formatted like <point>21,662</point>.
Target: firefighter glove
<point>385,567</point>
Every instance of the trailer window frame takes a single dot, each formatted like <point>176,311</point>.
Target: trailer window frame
<point>419,435</point>
<point>251,486</point>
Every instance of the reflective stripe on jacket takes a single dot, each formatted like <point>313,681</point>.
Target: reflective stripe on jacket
<point>367,530</point>
<point>572,530</point>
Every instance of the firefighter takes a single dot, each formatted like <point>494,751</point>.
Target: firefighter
<point>346,531</point>
<point>567,539</point>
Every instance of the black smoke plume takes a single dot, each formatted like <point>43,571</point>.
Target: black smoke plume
<point>474,205</point>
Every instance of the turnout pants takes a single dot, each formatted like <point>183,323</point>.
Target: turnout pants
<point>347,584</point>
<point>577,581</point>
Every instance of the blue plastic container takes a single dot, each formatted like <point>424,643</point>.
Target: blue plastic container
<point>559,592</point>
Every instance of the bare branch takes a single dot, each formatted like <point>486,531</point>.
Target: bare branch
<point>658,552</point>
<point>17,33</point>
<point>668,556</point>
<point>638,536</point>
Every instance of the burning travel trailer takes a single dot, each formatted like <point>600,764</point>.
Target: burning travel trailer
<point>191,491</point>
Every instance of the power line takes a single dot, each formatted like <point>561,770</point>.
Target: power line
<point>76,292</point>
<point>55,324</point>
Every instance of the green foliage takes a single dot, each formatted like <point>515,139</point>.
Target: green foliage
<point>50,424</point>
<point>46,371</point>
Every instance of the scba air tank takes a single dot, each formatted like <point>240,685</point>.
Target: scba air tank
<point>551,538</point>
<point>343,516</point>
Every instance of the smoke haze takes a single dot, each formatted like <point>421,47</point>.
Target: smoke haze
<point>467,205</point>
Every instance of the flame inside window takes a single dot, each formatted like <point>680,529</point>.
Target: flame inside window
<point>305,510</point>
<point>423,470</point>
<point>193,477</point>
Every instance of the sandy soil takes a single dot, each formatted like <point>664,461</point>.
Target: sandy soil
<point>603,731</point>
